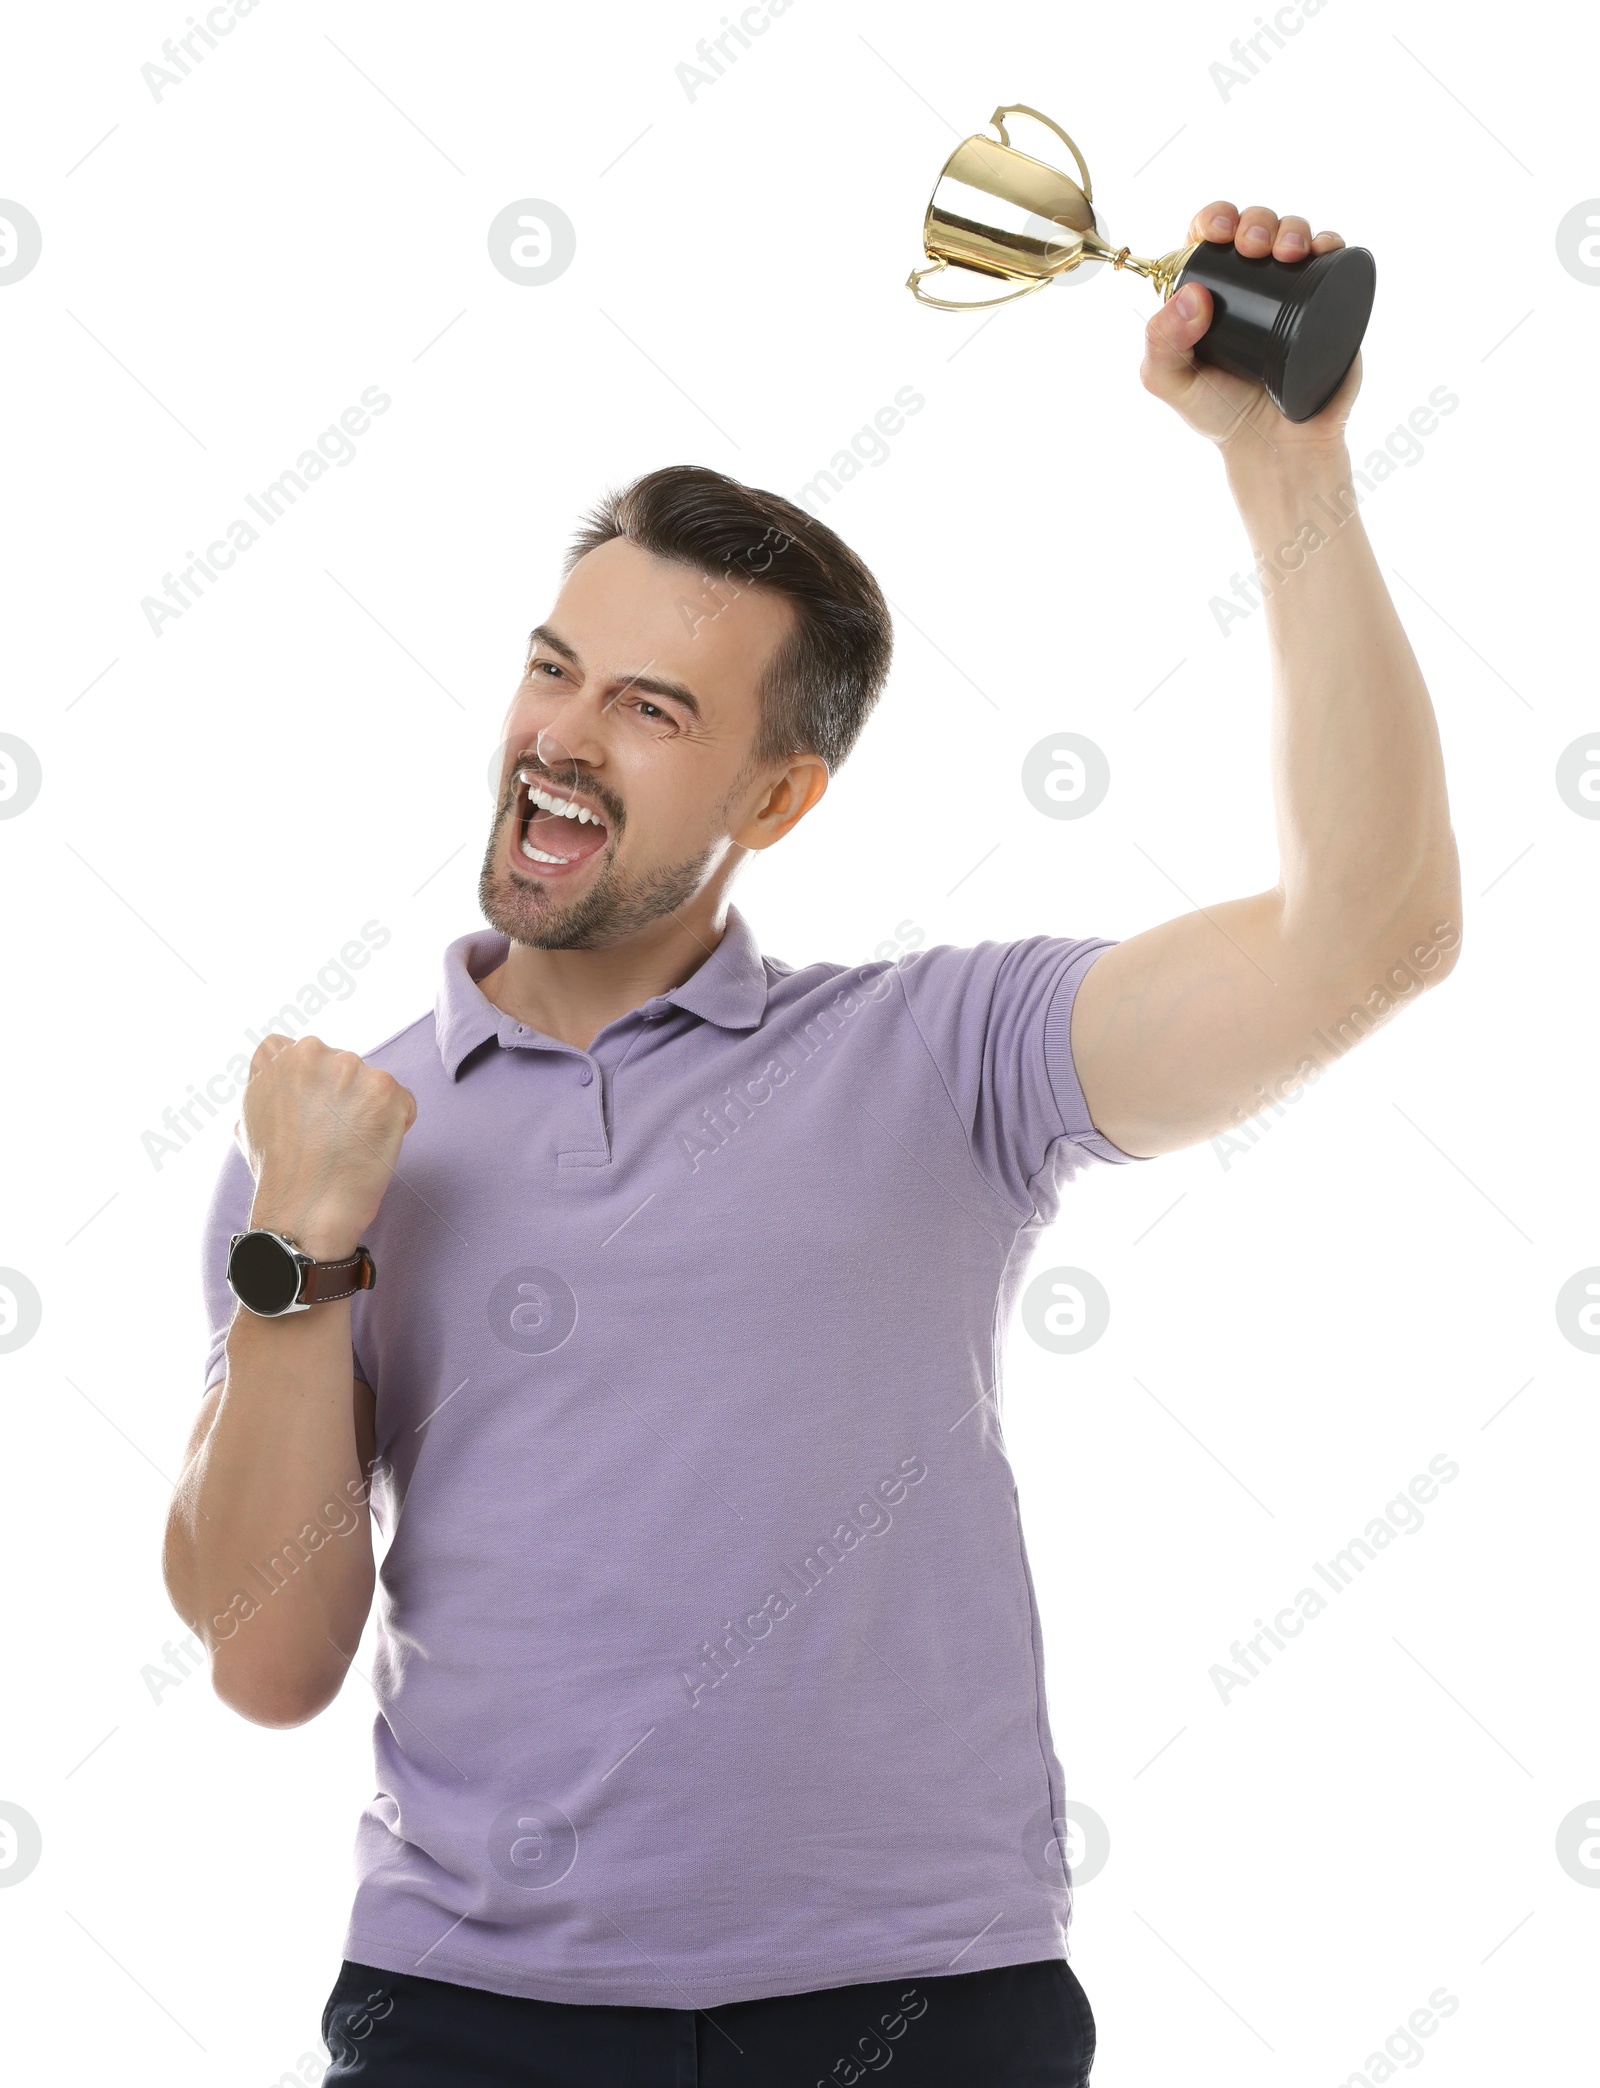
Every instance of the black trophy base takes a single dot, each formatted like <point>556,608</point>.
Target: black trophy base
<point>1293,326</point>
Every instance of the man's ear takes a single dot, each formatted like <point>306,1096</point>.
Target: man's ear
<point>784,801</point>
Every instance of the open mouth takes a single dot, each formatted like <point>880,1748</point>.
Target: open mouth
<point>554,833</point>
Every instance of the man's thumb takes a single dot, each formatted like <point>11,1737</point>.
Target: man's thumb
<point>1169,340</point>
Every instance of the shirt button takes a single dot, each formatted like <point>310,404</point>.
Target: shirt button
<point>585,1075</point>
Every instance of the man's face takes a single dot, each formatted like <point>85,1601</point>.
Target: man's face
<point>639,706</point>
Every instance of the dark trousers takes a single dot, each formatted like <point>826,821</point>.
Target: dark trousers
<point>1019,2026</point>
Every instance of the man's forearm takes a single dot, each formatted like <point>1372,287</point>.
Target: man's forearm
<point>1364,837</point>
<point>269,1548</point>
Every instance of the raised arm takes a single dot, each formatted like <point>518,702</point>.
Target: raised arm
<point>268,1554</point>
<point>1193,1026</point>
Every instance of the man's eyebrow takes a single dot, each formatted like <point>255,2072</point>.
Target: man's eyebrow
<point>652,684</point>
<point>543,632</point>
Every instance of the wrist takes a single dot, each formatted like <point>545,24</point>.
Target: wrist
<point>324,1234</point>
<point>1261,472</point>
<point>1283,494</point>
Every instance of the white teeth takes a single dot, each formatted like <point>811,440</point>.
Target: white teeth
<point>538,855</point>
<point>561,808</point>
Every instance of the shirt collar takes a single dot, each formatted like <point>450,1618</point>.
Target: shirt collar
<point>729,988</point>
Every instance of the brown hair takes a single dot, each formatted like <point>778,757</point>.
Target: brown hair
<point>822,682</point>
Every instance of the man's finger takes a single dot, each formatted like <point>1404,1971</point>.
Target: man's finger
<point>1216,221</point>
<point>1325,242</point>
<point>1293,242</point>
<point>1257,229</point>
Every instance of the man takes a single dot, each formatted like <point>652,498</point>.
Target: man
<point>712,1742</point>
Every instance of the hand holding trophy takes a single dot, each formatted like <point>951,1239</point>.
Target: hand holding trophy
<point>1293,327</point>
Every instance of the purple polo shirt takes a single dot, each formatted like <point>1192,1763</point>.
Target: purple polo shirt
<point>708,1664</point>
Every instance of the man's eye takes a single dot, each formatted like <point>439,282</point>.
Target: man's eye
<point>649,713</point>
<point>553,665</point>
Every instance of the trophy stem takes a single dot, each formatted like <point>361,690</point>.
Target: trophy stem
<point>1163,273</point>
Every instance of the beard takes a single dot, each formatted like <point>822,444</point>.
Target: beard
<point>615,905</point>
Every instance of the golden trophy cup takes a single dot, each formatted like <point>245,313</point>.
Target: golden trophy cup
<point>1292,326</point>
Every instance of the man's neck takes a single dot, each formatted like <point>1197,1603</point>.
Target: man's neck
<point>572,994</point>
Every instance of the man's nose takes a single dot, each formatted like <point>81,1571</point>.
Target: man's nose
<point>552,752</point>
<point>573,737</point>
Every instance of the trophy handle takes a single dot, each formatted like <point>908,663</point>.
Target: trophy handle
<point>977,304</point>
<point>1022,109</point>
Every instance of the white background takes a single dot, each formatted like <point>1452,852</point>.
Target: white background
<point>1293,1335</point>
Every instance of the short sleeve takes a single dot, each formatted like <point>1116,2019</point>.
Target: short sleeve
<point>228,1213</point>
<point>997,1022</point>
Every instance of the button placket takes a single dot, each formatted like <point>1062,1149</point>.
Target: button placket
<point>598,1153</point>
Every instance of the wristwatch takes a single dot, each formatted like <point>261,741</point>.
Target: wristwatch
<point>270,1276</point>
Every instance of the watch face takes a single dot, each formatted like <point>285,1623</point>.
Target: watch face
<point>263,1274</point>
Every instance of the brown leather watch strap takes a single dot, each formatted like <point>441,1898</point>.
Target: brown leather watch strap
<point>325,1282</point>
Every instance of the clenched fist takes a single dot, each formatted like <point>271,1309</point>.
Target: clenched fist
<point>322,1133</point>
<point>1230,410</point>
